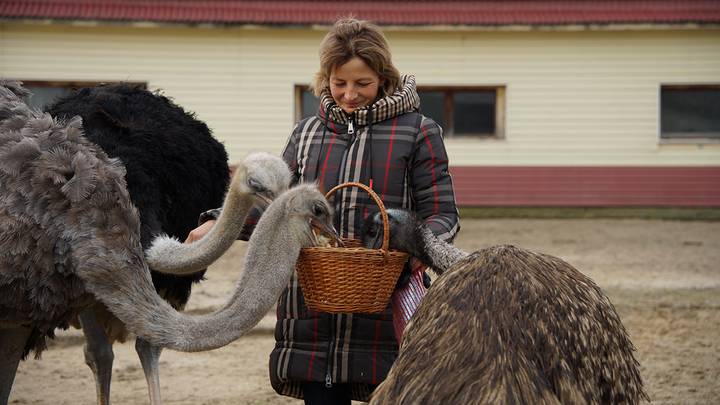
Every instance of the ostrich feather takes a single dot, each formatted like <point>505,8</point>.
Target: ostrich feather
<point>11,123</point>
<point>16,155</point>
<point>15,87</point>
<point>54,166</point>
<point>43,123</point>
<point>84,177</point>
<point>73,129</point>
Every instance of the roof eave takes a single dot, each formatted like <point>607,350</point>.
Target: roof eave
<point>614,26</point>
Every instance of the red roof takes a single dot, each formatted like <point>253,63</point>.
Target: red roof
<point>384,12</point>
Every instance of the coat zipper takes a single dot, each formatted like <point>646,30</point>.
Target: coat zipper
<point>351,127</point>
<point>328,374</point>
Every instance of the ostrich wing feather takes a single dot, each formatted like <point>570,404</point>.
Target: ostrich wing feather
<point>16,155</point>
<point>84,179</point>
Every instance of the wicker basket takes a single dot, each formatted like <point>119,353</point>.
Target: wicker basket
<point>351,278</point>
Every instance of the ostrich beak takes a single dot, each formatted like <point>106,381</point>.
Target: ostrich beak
<point>376,242</point>
<point>327,230</point>
<point>262,200</point>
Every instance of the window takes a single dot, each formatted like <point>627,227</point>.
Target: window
<point>461,111</point>
<point>45,93</point>
<point>306,104</point>
<point>690,112</point>
<point>466,111</point>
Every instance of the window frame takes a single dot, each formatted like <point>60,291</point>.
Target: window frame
<point>298,89</point>
<point>683,137</point>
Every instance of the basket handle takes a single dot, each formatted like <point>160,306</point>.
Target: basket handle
<point>378,202</point>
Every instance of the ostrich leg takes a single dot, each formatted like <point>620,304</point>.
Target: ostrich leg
<point>12,344</point>
<point>98,354</point>
<point>150,359</point>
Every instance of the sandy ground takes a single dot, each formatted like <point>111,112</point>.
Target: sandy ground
<point>663,277</point>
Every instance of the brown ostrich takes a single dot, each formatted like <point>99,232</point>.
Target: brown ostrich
<point>505,325</point>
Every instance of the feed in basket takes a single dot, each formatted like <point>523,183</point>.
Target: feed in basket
<point>322,240</point>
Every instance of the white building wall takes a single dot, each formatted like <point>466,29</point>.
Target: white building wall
<point>573,97</point>
<point>240,82</point>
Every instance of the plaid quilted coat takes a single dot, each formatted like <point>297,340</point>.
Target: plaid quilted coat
<point>402,152</point>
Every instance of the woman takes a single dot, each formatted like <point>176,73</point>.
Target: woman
<point>368,129</point>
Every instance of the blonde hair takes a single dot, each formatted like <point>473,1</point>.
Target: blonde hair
<point>349,38</point>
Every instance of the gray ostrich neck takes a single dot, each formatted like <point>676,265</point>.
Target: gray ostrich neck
<point>228,226</point>
<point>269,263</point>
<point>437,253</point>
<point>130,295</point>
<point>168,255</point>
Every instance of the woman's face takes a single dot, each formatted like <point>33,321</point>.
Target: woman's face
<point>354,85</point>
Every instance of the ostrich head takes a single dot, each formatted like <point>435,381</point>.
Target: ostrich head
<point>265,177</point>
<point>259,179</point>
<point>405,232</point>
<point>309,210</point>
<point>409,234</point>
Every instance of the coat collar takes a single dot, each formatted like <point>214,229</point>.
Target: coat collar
<point>403,100</point>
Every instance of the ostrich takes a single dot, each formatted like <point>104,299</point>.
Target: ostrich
<point>69,235</point>
<point>168,255</point>
<point>505,325</point>
<point>175,170</point>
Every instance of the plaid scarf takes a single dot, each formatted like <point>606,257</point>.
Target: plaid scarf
<point>404,99</point>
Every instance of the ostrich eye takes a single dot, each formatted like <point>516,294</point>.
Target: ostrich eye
<point>256,185</point>
<point>319,210</point>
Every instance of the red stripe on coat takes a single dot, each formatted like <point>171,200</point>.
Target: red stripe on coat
<point>436,200</point>
<point>327,157</point>
<point>387,164</point>
<point>312,356</point>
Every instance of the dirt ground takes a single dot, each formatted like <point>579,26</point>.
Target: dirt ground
<point>662,276</point>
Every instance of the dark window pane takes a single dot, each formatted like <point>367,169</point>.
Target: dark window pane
<point>432,104</point>
<point>690,113</point>
<point>44,96</point>
<point>44,93</point>
<point>310,104</point>
<point>474,112</point>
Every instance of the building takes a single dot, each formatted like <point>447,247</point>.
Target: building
<point>544,103</point>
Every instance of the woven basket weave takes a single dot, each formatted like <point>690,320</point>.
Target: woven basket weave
<point>352,278</point>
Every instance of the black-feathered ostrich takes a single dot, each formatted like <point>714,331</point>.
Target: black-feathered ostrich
<point>504,325</point>
<point>69,235</point>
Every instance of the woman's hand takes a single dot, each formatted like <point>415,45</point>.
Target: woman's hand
<point>200,231</point>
